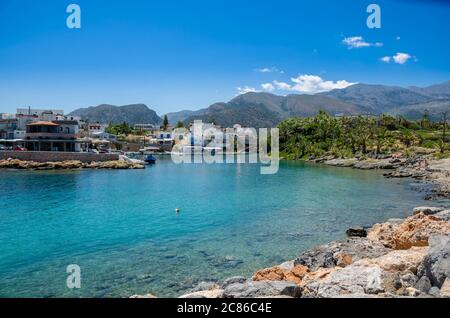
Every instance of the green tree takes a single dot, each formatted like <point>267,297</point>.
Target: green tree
<point>165,122</point>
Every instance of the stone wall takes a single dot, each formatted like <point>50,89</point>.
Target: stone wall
<point>57,156</point>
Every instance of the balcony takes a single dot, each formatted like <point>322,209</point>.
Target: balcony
<point>51,136</point>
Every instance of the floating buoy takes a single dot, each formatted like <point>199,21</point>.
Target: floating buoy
<point>177,210</point>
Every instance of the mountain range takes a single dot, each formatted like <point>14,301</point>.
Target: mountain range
<point>131,114</point>
<point>267,110</point>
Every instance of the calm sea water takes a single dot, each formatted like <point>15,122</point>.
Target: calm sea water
<point>120,227</point>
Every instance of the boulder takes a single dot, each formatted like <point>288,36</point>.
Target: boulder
<point>445,289</point>
<point>356,231</point>
<point>424,284</point>
<point>427,210</point>
<point>276,273</point>
<point>252,289</point>
<point>233,280</point>
<point>414,231</point>
<point>340,253</point>
<point>400,260</point>
<point>434,292</point>
<point>356,279</point>
<point>444,215</point>
<point>340,162</point>
<point>436,264</point>
<point>203,286</point>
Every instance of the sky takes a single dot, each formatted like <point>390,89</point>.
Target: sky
<point>184,54</point>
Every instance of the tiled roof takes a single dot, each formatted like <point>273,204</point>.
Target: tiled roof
<point>43,123</point>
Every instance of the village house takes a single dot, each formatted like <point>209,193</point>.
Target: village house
<point>60,135</point>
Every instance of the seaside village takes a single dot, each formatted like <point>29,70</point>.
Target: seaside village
<point>43,135</point>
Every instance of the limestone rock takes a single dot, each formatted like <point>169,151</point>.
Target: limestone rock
<point>205,286</point>
<point>401,260</point>
<point>424,284</point>
<point>276,273</point>
<point>414,231</point>
<point>445,289</point>
<point>340,253</point>
<point>443,215</point>
<point>233,280</point>
<point>252,289</point>
<point>343,282</point>
<point>427,210</point>
<point>436,264</point>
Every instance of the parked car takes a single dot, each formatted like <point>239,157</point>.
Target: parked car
<point>19,148</point>
<point>2,147</point>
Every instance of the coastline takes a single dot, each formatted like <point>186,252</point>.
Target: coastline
<point>397,258</point>
<point>16,164</point>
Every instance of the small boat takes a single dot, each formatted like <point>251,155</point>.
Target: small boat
<point>151,160</point>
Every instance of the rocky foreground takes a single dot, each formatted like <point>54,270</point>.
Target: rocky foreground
<point>67,165</point>
<point>399,258</point>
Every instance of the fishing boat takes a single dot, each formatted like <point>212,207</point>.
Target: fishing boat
<point>150,159</point>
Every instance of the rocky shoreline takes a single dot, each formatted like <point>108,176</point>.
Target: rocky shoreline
<point>398,258</point>
<point>67,165</point>
<point>419,167</point>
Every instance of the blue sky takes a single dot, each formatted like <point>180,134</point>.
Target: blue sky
<point>182,54</point>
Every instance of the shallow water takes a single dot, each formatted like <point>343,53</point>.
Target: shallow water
<point>121,228</point>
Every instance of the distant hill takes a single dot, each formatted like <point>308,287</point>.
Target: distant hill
<point>434,109</point>
<point>131,114</point>
<point>435,91</point>
<point>267,110</point>
<point>378,98</point>
<point>182,115</point>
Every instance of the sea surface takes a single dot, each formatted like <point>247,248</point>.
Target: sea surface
<point>121,228</point>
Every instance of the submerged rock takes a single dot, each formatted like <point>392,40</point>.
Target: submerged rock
<point>356,231</point>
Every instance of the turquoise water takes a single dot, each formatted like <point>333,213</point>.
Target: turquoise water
<point>120,227</point>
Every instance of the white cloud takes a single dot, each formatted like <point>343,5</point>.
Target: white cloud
<point>401,58</point>
<point>310,84</point>
<point>269,70</point>
<point>282,86</point>
<point>356,42</point>
<point>246,89</point>
<point>267,87</point>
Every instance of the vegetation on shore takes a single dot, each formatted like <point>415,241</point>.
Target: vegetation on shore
<point>360,136</point>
